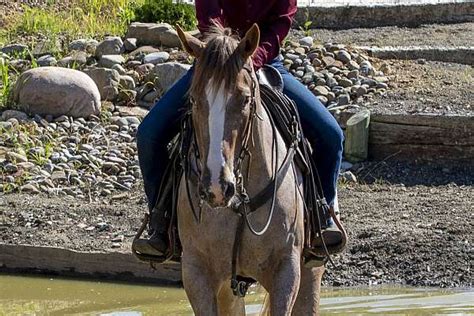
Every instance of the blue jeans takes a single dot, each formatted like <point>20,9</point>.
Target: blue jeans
<point>162,124</point>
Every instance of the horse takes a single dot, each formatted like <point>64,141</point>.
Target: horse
<point>229,123</point>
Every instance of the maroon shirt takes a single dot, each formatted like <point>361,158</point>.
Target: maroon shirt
<point>274,17</point>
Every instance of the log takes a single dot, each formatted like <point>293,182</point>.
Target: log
<point>423,137</point>
<point>357,136</point>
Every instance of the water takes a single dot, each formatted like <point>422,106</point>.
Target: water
<point>43,296</point>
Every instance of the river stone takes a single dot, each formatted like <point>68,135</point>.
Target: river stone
<point>343,99</point>
<point>127,82</point>
<point>111,45</point>
<point>77,58</point>
<point>108,61</point>
<point>14,114</point>
<point>57,91</point>
<point>147,33</point>
<point>320,90</point>
<point>306,41</point>
<point>14,49</point>
<point>107,80</point>
<point>119,69</point>
<point>82,44</point>
<point>168,73</point>
<point>156,58</point>
<point>343,56</point>
<point>46,60</point>
<point>29,188</point>
<point>130,44</point>
<point>15,157</point>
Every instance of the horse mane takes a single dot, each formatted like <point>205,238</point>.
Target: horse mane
<point>219,62</point>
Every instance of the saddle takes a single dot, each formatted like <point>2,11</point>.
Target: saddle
<point>284,115</point>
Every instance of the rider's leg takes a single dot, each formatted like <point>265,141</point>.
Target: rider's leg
<point>325,136</point>
<point>154,133</point>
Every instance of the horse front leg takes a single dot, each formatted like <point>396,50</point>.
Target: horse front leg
<point>282,286</point>
<point>307,301</point>
<point>199,286</point>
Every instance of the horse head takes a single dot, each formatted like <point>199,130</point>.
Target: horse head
<point>222,95</point>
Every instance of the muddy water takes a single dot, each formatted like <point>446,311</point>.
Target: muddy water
<point>43,296</point>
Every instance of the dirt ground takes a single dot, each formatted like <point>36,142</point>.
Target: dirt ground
<point>425,87</point>
<point>448,35</point>
<point>408,224</point>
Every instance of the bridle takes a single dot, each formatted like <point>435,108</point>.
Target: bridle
<point>243,205</point>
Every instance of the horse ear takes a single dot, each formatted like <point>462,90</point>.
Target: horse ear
<point>250,42</point>
<point>191,45</point>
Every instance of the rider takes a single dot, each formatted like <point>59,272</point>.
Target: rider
<point>274,18</point>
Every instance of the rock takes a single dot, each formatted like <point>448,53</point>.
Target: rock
<point>29,188</point>
<point>300,51</point>
<point>11,168</point>
<point>26,165</point>
<point>361,91</point>
<point>107,80</point>
<point>386,69</point>
<point>323,99</point>
<point>317,62</point>
<point>147,33</point>
<point>119,69</point>
<point>170,38</point>
<point>345,82</point>
<point>130,44</point>
<point>353,74</point>
<point>320,90</point>
<point>108,61</point>
<point>14,49</point>
<point>87,45</point>
<point>156,58</point>
<point>381,85</point>
<point>167,74</point>
<point>127,82</point>
<point>132,111</point>
<point>349,177</point>
<point>328,61</point>
<point>343,56</point>
<point>343,99</point>
<point>46,60</point>
<point>144,69</point>
<point>111,45</point>
<point>306,41</point>
<point>59,176</point>
<point>352,65</point>
<point>127,96</point>
<point>75,60</point>
<point>15,114</point>
<point>57,91</point>
<point>15,157</point>
<point>45,47</point>
<point>5,126</point>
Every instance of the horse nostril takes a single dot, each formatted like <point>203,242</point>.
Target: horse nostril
<point>229,190</point>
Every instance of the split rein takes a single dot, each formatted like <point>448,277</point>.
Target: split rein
<point>242,204</point>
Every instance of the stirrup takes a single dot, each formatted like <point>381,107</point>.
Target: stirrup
<point>146,257</point>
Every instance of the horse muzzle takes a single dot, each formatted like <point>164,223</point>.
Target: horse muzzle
<point>218,194</point>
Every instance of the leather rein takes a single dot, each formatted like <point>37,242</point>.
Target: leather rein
<point>242,204</point>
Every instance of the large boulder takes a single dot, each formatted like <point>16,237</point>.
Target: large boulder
<point>155,34</point>
<point>107,80</point>
<point>168,73</point>
<point>57,91</point>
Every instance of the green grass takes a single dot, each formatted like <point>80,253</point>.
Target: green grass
<point>5,83</point>
<point>82,18</point>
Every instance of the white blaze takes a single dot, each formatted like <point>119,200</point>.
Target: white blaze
<point>217,101</point>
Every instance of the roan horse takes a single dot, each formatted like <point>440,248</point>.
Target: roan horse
<point>225,102</point>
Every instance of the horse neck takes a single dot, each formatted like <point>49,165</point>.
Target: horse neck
<point>261,166</point>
